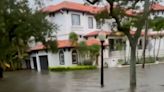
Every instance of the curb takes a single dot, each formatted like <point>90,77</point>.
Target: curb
<point>120,66</point>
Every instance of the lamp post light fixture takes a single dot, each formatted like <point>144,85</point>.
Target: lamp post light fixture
<point>102,37</point>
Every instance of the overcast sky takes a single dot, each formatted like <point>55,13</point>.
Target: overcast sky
<point>50,2</point>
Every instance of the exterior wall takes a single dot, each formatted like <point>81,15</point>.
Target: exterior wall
<point>64,21</point>
<point>115,55</point>
<point>37,54</point>
<point>53,58</point>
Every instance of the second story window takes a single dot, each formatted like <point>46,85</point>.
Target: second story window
<point>90,22</point>
<point>75,19</point>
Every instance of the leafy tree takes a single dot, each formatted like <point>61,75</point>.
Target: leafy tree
<point>124,23</point>
<point>18,23</point>
<point>83,50</point>
<point>92,51</point>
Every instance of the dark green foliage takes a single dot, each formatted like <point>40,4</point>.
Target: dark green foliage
<point>71,68</point>
<point>83,48</point>
<point>92,51</point>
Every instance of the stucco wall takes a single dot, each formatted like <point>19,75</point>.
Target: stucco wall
<point>64,22</point>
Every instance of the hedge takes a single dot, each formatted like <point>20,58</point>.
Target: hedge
<point>71,68</point>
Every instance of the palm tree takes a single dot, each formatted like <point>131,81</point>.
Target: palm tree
<point>73,37</point>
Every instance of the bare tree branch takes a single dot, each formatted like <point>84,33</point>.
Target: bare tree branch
<point>119,27</point>
<point>92,1</point>
<point>142,20</point>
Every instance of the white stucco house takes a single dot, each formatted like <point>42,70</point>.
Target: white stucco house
<point>79,18</point>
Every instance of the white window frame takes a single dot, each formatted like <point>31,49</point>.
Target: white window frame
<point>74,21</point>
<point>90,22</point>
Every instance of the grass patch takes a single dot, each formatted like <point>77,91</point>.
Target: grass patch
<point>72,68</point>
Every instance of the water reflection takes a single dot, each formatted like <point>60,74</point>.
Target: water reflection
<point>132,89</point>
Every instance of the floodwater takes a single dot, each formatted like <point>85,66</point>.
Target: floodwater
<point>150,79</point>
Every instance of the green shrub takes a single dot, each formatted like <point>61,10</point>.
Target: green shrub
<point>71,68</point>
<point>121,61</point>
<point>147,60</point>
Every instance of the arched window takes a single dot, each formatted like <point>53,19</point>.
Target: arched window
<point>74,57</point>
<point>61,57</point>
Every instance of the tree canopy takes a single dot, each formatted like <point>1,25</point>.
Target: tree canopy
<point>123,21</point>
<point>18,23</point>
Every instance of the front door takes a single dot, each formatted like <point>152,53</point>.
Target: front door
<point>43,62</point>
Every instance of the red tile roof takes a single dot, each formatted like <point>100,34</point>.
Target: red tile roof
<point>71,6</point>
<point>66,44</point>
<point>61,44</point>
<point>157,7</point>
<point>95,33</point>
<point>154,7</point>
<point>132,12</point>
<point>38,47</point>
<point>153,33</point>
<point>91,42</point>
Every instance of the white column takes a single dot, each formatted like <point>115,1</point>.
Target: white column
<point>50,60</point>
<point>38,63</point>
<point>31,63</point>
<point>68,57</point>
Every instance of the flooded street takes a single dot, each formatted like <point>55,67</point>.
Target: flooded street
<point>150,79</point>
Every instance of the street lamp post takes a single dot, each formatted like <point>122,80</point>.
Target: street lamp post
<point>102,37</point>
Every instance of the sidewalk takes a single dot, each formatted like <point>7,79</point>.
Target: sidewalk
<point>141,64</point>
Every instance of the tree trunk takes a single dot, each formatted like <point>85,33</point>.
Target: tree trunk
<point>1,72</point>
<point>154,49</point>
<point>133,65</point>
<point>145,44</point>
<point>159,45</point>
<point>97,56</point>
